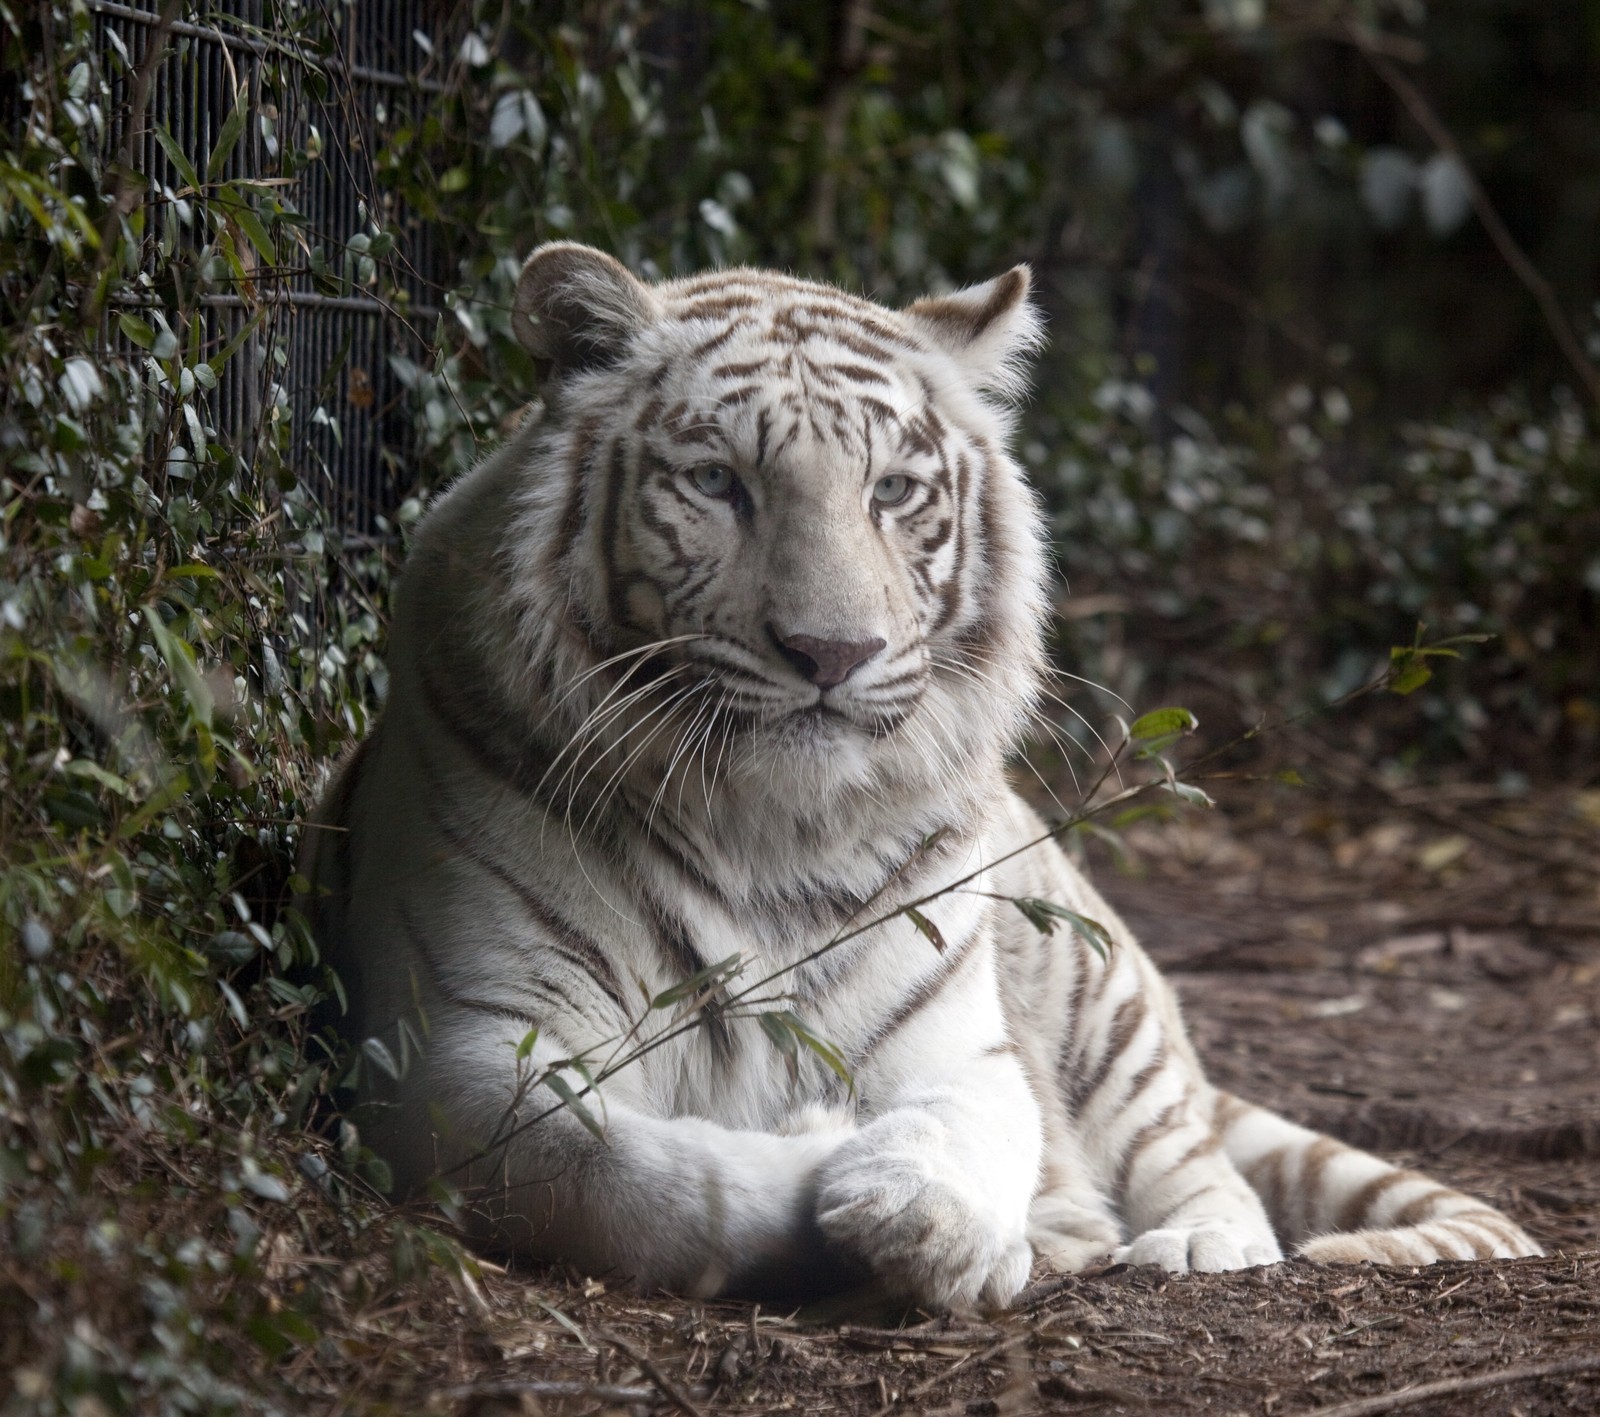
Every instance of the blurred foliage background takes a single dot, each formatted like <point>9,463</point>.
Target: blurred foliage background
<point>1321,283</point>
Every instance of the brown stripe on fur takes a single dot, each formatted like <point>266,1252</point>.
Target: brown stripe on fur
<point>1267,1179</point>
<point>1188,1199</point>
<point>716,306</point>
<point>649,415</point>
<point>743,369</point>
<point>611,512</point>
<point>1080,987</point>
<point>926,991</point>
<point>950,591</point>
<point>1157,1127</point>
<point>1146,1075</point>
<point>475,738</point>
<point>1312,1166</point>
<point>561,934</point>
<point>1209,1144</point>
<point>1354,1212</point>
<point>699,434</point>
<point>1492,1223</point>
<point>1419,1208</point>
<point>1226,1110</point>
<point>863,374</point>
<point>1474,1244</point>
<point>716,341</point>
<point>1130,1014</point>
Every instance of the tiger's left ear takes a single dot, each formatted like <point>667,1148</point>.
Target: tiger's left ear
<point>989,329</point>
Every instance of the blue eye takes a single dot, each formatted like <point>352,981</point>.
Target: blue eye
<point>713,480</point>
<point>891,491</point>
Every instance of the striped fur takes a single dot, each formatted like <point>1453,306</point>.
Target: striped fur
<point>623,743</point>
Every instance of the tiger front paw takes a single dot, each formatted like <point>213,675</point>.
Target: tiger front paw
<point>887,1200</point>
<point>1205,1247</point>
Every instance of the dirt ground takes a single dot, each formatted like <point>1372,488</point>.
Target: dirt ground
<point>1419,974</point>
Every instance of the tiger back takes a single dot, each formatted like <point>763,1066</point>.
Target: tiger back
<point>710,674</point>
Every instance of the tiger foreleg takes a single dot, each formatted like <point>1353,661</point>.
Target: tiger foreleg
<point>657,1203</point>
<point>933,1191</point>
<point>1186,1205</point>
<point>1138,1103</point>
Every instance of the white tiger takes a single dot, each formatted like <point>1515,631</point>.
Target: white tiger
<point>724,654</point>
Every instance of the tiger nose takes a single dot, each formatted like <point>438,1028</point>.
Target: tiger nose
<point>825,662</point>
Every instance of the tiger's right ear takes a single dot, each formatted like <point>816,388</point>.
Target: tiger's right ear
<point>578,308</point>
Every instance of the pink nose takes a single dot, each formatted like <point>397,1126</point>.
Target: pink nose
<point>826,662</point>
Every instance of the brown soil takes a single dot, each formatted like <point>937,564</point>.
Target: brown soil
<point>1420,977</point>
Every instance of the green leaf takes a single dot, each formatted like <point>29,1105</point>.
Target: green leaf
<point>177,157</point>
<point>1190,793</point>
<point>1162,723</point>
<point>231,947</point>
<point>1411,676</point>
<point>928,928</point>
<point>789,1032</point>
<point>378,1051</point>
<point>137,330</point>
<point>529,1040</point>
<point>563,1089</point>
<point>232,126</point>
<point>178,656</point>
<point>244,216</point>
<point>1043,914</point>
<point>708,978</point>
<point>781,1035</point>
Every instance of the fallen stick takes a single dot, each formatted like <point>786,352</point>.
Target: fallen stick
<point>536,1387</point>
<point>1451,1387</point>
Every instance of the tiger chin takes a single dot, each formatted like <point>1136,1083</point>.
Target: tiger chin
<point>723,655</point>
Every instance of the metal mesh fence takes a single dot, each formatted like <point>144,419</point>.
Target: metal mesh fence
<point>311,363</point>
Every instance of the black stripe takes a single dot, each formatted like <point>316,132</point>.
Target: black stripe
<point>931,986</point>
<point>580,949</point>
<point>679,859</point>
<point>477,737</point>
<point>572,514</point>
<point>672,939</point>
<point>616,591</point>
<point>450,996</point>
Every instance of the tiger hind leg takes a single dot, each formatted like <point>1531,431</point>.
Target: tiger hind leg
<point>1338,1205</point>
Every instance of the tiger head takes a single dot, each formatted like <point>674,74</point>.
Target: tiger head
<point>787,512</point>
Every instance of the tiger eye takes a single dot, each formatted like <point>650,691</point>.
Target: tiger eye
<point>713,480</point>
<point>892,490</point>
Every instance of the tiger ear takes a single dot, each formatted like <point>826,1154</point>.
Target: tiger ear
<point>578,308</point>
<point>989,329</point>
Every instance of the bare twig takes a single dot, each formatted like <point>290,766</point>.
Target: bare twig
<point>652,1370</point>
<point>994,1350</point>
<point>1452,1387</point>
<point>1513,255</point>
<point>533,1387</point>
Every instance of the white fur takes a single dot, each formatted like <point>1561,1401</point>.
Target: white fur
<point>539,835</point>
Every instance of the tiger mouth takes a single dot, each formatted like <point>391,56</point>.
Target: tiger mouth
<point>748,704</point>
